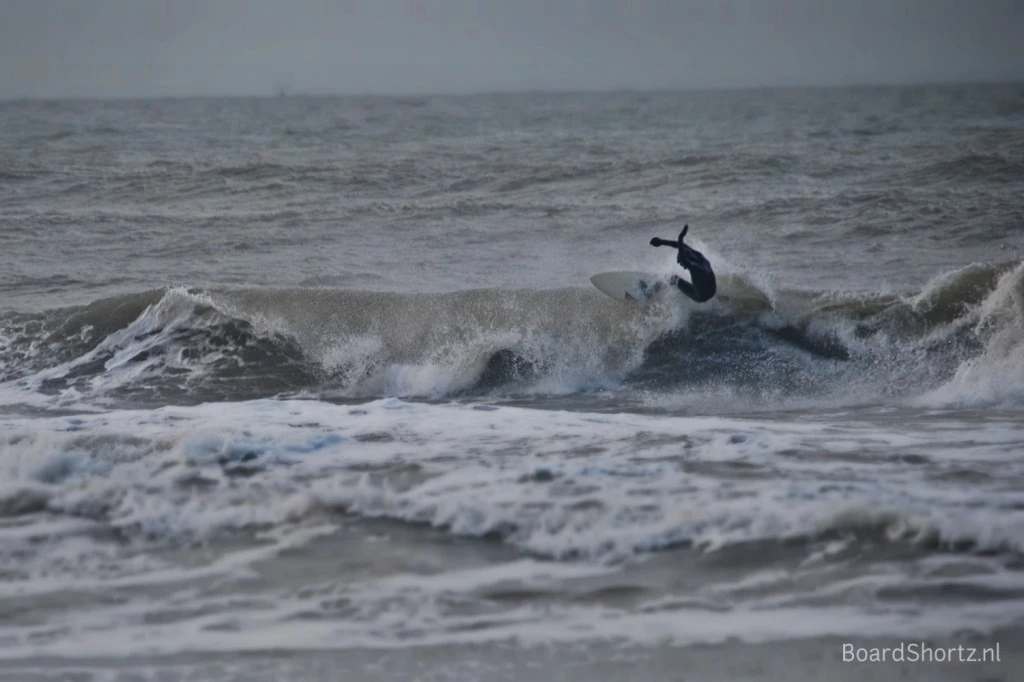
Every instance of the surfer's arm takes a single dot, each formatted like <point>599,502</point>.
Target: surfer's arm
<point>658,241</point>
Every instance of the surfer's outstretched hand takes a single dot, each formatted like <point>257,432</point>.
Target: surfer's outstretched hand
<point>658,241</point>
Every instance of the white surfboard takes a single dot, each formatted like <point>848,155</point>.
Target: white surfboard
<point>627,285</point>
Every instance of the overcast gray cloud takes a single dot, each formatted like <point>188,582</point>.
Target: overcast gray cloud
<point>100,48</point>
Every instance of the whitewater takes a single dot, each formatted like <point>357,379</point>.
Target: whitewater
<point>293,388</point>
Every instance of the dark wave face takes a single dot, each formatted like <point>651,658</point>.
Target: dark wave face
<point>749,345</point>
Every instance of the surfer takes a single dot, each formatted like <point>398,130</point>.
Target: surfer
<point>702,285</point>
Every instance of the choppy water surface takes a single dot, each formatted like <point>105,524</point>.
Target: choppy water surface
<point>327,374</point>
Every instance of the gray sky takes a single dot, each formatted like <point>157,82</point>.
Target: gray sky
<point>104,48</point>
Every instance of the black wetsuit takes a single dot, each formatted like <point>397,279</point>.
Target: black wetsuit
<point>702,284</point>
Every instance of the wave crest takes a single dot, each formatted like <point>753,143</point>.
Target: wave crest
<point>957,340</point>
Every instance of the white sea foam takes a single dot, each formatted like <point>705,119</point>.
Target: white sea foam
<point>606,481</point>
<point>587,494</point>
<point>996,376</point>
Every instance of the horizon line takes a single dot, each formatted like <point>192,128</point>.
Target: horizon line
<point>282,93</point>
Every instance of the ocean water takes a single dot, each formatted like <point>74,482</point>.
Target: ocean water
<point>323,379</point>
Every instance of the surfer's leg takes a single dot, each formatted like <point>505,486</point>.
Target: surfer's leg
<point>702,277</point>
<point>704,285</point>
<point>687,288</point>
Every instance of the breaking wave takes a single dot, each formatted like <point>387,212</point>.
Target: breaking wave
<point>956,341</point>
